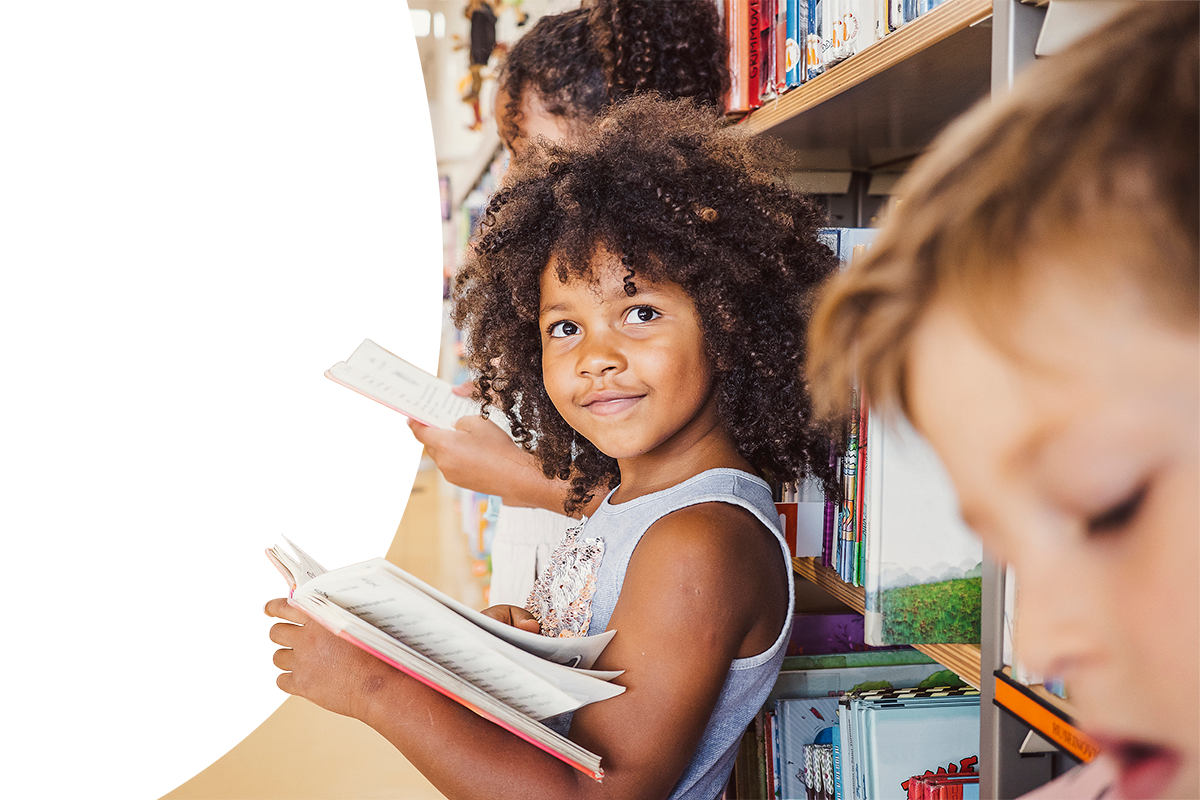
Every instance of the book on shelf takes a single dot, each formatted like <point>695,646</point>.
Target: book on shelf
<point>402,386</point>
<point>923,579</point>
<point>890,737</point>
<point>510,676</point>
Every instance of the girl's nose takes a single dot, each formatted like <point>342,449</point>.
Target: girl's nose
<point>599,354</point>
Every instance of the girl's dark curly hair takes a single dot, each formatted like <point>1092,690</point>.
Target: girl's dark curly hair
<point>579,61</point>
<point>681,199</point>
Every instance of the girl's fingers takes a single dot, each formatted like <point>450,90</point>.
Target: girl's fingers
<point>284,659</point>
<point>285,633</point>
<point>280,609</point>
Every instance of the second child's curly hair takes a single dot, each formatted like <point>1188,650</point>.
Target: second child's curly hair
<point>580,61</point>
<point>680,199</point>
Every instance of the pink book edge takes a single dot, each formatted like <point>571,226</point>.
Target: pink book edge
<point>597,775</point>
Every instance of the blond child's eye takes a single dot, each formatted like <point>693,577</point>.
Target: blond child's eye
<point>561,330</point>
<point>1115,519</point>
<point>641,314</point>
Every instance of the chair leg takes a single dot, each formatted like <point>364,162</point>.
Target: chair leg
<point>208,528</point>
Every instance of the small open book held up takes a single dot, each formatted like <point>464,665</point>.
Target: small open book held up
<point>507,675</point>
<point>388,379</point>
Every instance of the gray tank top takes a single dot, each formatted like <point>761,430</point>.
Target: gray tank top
<point>750,679</point>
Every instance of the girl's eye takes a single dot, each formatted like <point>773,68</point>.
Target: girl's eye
<point>641,314</point>
<point>1118,517</point>
<point>561,330</point>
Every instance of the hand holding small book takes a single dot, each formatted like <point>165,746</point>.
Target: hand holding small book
<point>320,666</point>
<point>515,616</point>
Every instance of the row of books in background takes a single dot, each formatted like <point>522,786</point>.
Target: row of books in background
<point>318,266</point>
<point>897,530</point>
<point>846,720</point>
<point>776,45</point>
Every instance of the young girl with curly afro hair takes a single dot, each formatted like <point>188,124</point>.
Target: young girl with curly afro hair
<point>635,304</point>
<point>553,83</point>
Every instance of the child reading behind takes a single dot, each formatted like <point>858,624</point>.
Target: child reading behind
<point>635,303</point>
<point>1032,307</point>
<point>554,82</point>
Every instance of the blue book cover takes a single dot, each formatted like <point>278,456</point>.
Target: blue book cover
<point>797,40</point>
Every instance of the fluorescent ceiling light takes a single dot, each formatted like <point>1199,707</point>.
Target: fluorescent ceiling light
<point>383,22</point>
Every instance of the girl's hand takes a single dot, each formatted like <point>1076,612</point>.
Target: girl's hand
<point>515,616</point>
<point>322,667</point>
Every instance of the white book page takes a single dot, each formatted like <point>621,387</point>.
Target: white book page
<point>423,625</point>
<point>404,387</point>
<point>580,652</point>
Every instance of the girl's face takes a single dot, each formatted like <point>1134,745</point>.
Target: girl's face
<point>628,373</point>
<point>533,121</point>
<point>1076,455</point>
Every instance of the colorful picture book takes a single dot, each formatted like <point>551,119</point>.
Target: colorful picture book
<point>923,565</point>
<point>507,675</point>
<point>888,738</point>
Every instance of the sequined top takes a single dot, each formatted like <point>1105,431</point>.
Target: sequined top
<point>614,531</point>
<point>561,598</point>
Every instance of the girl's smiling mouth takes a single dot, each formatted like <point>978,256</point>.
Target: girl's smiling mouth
<point>608,402</point>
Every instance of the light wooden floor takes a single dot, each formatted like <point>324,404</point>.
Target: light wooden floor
<point>223,728</point>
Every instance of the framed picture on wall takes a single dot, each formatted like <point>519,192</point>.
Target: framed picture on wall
<point>395,173</point>
<point>250,167</point>
<point>180,164</point>
<point>317,173</point>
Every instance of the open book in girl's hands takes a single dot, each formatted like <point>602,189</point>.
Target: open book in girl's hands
<point>507,675</point>
<point>388,379</point>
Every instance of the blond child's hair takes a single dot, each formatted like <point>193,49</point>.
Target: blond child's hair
<point>1091,162</point>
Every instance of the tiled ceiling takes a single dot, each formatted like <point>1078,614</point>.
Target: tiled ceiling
<point>287,48</point>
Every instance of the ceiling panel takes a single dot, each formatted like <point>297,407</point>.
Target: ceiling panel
<point>289,48</point>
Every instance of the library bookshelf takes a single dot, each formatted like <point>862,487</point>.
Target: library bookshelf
<point>962,658</point>
<point>872,114</point>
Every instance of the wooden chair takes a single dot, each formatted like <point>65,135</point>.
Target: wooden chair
<point>288,479</point>
<point>177,458</point>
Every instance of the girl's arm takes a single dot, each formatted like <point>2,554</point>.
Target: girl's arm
<point>690,604</point>
<point>478,455</point>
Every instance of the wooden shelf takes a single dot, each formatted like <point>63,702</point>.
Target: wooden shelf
<point>964,659</point>
<point>1048,714</point>
<point>885,104</point>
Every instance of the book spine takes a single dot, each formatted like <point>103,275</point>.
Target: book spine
<point>846,517</point>
<point>797,38</point>
<point>859,485</point>
<point>755,69</point>
<point>815,44</point>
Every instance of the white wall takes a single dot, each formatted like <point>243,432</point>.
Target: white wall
<point>301,125</point>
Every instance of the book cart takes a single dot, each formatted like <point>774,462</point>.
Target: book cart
<point>869,117</point>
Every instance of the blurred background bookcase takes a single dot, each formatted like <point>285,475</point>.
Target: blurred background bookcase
<point>855,129</point>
